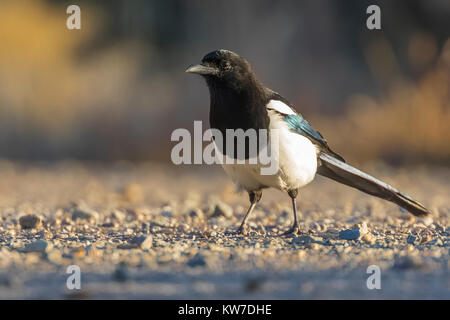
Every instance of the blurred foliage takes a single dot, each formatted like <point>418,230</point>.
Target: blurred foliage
<point>116,88</point>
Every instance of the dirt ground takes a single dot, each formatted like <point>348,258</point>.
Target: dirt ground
<point>150,231</point>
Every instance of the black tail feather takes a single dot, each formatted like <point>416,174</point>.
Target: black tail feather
<point>341,172</point>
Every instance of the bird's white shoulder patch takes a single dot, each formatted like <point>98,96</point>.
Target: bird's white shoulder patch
<point>297,154</point>
<point>280,107</point>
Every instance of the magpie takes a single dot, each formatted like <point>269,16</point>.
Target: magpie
<point>238,100</point>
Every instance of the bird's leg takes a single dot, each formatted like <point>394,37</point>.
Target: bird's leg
<point>254,197</point>
<point>295,229</point>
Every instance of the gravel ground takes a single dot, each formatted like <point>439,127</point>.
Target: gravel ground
<point>150,231</point>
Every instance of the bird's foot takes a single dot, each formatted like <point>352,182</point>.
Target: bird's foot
<point>242,230</point>
<point>293,231</point>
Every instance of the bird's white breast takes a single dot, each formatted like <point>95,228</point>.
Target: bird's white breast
<point>297,158</point>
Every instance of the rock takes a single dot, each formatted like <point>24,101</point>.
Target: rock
<point>161,243</point>
<point>363,228</point>
<point>197,261</point>
<point>118,215</point>
<point>427,221</point>
<point>368,238</point>
<point>127,246</point>
<point>144,242</point>
<point>79,214</point>
<point>108,225</point>
<point>184,227</point>
<point>136,214</point>
<point>315,226</point>
<point>41,246</point>
<point>55,256</point>
<point>426,239</point>
<point>43,234</point>
<point>167,213</point>
<point>30,221</point>
<point>222,209</point>
<point>161,221</point>
<point>412,239</point>
<point>354,234</point>
<point>196,214</point>
<point>78,252</point>
<point>350,234</point>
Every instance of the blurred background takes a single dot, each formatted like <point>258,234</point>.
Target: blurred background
<point>116,89</point>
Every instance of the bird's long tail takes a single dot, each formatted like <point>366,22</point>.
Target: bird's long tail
<point>340,171</point>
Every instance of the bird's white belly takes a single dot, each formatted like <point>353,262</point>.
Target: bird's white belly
<point>297,162</point>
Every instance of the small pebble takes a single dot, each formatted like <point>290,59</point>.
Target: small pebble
<point>37,246</point>
<point>350,234</point>
<point>30,221</point>
<point>222,209</point>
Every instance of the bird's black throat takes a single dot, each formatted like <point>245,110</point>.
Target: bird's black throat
<point>238,104</point>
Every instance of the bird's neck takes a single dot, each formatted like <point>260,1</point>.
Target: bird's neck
<point>238,106</point>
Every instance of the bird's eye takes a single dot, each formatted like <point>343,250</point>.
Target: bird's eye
<point>225,65</point>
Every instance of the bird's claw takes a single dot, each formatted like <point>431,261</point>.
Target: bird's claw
<point>243,230</point>
<point>294,230</point>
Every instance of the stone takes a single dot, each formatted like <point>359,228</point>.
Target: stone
<point>427,221</point>
<point>55,256</point>
<point>118,215</point>
<point>79,214</point>
<point>315,226</point>
<point>167,213</point>
<point>363,229</point>
<point>197,261</point>
<point>350,234</point>
<point>426,239</point>
<point>79,252</point>
<point>30,221</point>
<point>144,242</point>
<point>412,239</point>
<point>222,209</point>
<point>196,214</point>
<point>368,238</point>
<point>41,246</point>
<point>43,234</point>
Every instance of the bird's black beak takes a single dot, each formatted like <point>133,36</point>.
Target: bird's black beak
<point>202,70</point>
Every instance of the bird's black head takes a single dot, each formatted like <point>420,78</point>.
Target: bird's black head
<point>224,68</point>
<point>237,99</point>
